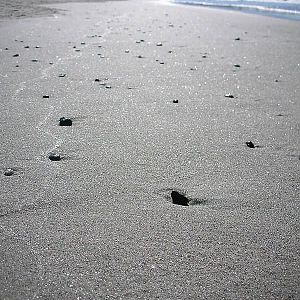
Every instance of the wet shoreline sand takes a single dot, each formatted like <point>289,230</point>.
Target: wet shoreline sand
<point>162,98</point>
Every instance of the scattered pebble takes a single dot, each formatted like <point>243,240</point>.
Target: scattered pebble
<point>26,47</point>
<point>108,86</point>
<point>237,39</point>
<point>204,56</point>
<point>34,60</point>
<point>179,199</point>
<point>17,66</point>
<point>170,51</point>
<point>162,63</point>
<point>140,56</point>
<point>9,172</point>
<point>16,55</point>
<point>237,65</point>
<point>229,95</point>
<point>276,80</point>
<point>193,69</point>
<point>250,144</point>
<point>6,48</point>
<point>37,47</point>
<point>46,96</point>
<point>62,75</point>
<point>54,157</point>
<point>175,101</point>
<point>97,80</point>
<point>65,122</point>
<point>82,43</point>
<point>127,51</point>
<point>159,44</point>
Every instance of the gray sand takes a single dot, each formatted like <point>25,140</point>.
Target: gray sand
<point>100,223</point>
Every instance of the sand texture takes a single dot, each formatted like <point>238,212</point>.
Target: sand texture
<point>162,98</point>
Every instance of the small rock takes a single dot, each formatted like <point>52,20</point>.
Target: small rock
<point>179,199</point>
<point>37,47</point>
<point>193,69</point>
<point>97,80</point>
<point>54,157</point>
<point>65,122</point>
<point>142,41</point>
<point>140,56</point>
<point>159,44</point>
<point>237,39</point>
<point>34,60</point>
<point>9,172</point>
<point>77,50</point>
<point>175,101</point>
<point>162,63</point>
<point>62,75</point>
<point>6,48</point>
<point>82,43</point>
<point>127,51</point>
<point>276,80</point>
<point>237,65</point>
<point>108,86</point>
<point>170,51</point>
<point>250,144</point>
<point>204,56</point>
<point>16,55</point>
<point>26,47</point>
<point>229,95</point>
<point>17,66</point>
<point>46,96</point>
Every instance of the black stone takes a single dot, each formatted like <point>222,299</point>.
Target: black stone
<point>97,80</point>
<point>46,96</point>
<point>175,101</point>
<point>229,96</point>
<point>65,122</point>
<point>9,172</point>
<point>16,55</point>
<point>237,39</point>
<point>250,144</point>
<point>237,66</point>
<point>62,75</point>
<point>54,157</point>
<point>179,199</point>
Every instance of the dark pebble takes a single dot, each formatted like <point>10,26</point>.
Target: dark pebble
<point>162,63</point>
<point>65,122</point>
<point>193,69</point>
<point>175,101</point>
<point>237,66</point>
<point>54,157</point>
<point>37,47</point>
<point>159,44</point>
<point>34,60</point>
<point>170,51</point>
<point>17,66</point>
<point>26,47</point>
<point>97,80</point>
<point>229,96</point>
<point>250,144</point>
<point>179,199</point>
<point>46,96</point>
<point>16,55</point>
<point>140,56</point>
<point>237,39</point>
<point>9,172</point>
<point>108,86</point>
<point>204,56</point>
<point>62,75</point>
<point>5,48</point>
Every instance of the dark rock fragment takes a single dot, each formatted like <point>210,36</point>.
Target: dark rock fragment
<point>237,65</point>
<point>62,75</point>
<point>229,95</point>
<point>54,157</point>
<point>65,122</point>
<point>237,39</point>
<point>9,172</point>
<point>16,55</point>
<point>46,96</point>
<point>179,199</point>
<point>175,101</point>
<point>250,144</point>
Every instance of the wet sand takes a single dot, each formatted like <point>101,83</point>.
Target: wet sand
<point>162,98</point>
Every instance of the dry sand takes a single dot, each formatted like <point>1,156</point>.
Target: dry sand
<point>100,224</point>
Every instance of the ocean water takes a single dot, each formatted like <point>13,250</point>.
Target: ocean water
<point>289,9</point>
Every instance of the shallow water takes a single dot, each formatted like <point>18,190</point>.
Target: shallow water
<point>280,9</point>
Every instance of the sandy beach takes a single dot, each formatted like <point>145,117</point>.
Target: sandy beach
<point>162,98</point>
